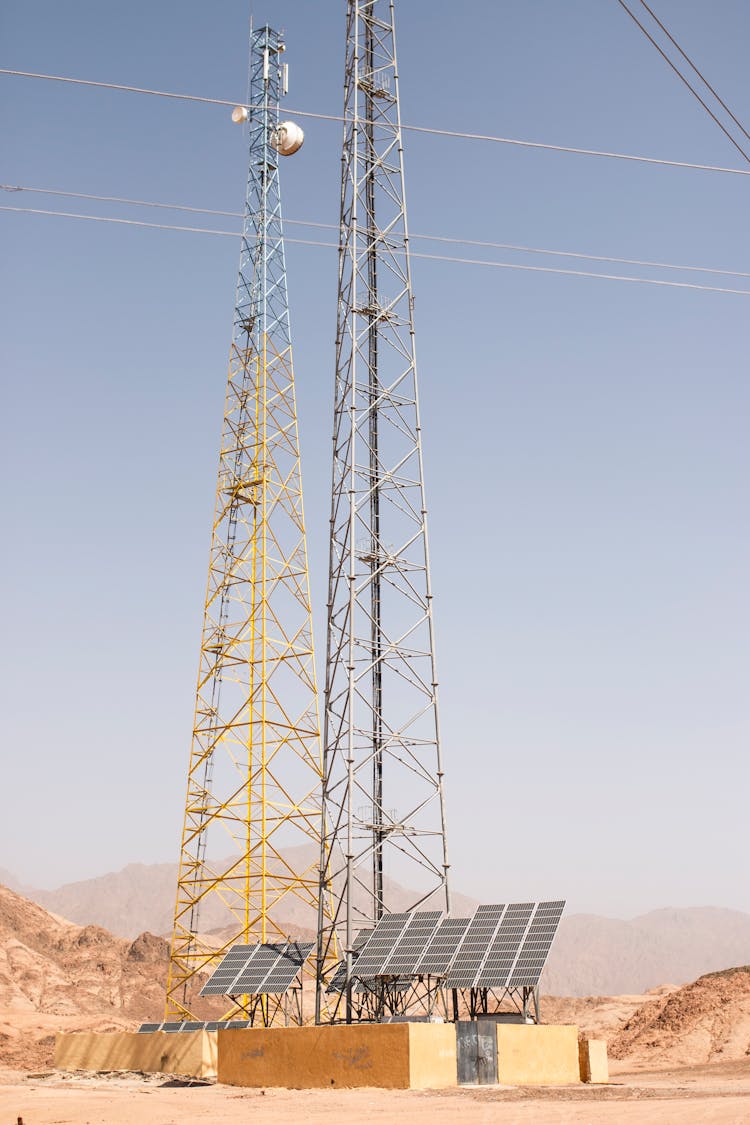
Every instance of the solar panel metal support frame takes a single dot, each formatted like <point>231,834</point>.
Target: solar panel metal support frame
<point>280,1010</point>
<point>479,1003</point>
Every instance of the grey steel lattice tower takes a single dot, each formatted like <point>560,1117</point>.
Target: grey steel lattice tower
<point>384,812</point>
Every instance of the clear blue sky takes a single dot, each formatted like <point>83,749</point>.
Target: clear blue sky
<point>585,441</point>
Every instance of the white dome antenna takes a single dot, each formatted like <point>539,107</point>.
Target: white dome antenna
<point>288,138</point>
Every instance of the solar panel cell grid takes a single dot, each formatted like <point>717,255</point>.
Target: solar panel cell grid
<point>471,952</point>
<point>504,949</point>
<point>412,943</point>
<point>287,967</point>
<point>380,945</point>
<point>535,949</point>
<point>235,961</point>
<point>441,948</point>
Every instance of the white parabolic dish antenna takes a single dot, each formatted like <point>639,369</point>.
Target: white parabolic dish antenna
<point>288,138</point>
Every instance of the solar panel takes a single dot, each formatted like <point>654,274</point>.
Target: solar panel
<point>501,946</point>
<point>338,980</point>
<point>408,950</point>
<point>148,1027</point>
<point>236,1025</point>
<point>503,951</point>
<point>256,969</point>
<point>533,953</point>
<point>287,967</point>
<point>380,945</point>
<point>193,1025</point>
<point>251,978</point>
<point>472,950</point>
<point>171,1026</point>
<point>361,940</point>
<point>226,972</point>
<point>442,946</point>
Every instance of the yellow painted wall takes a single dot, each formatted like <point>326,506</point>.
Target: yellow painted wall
<point>391,1056</point>
<point>432,1055</point>
<point>192,1053</point>
<point>529,1055</point>
<point>593,1060</point>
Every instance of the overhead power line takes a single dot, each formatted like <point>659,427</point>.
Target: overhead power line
<point>692,65</point>
<point>414,254</point>
<point>12,188</point>
<point>486,137</point>
<point>682,77</point>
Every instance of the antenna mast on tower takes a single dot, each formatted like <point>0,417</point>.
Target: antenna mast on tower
<point>384,813</point>
<point>251,836</point>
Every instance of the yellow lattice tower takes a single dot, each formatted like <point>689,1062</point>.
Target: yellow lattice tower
<point>251,836</point>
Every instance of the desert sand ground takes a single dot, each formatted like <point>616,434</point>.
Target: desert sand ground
<point>719,1093</point>
<point>655,1036</point>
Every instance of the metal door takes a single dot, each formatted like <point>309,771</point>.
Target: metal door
<point>486,1052</point>
<point>466,1051</point>
<point>476,1052</point>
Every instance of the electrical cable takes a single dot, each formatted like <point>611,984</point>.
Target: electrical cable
<point>683,79</point>
<point>414,254</point>
<point>406,128</point>
<point>690,63</point>
<point>422,237</point>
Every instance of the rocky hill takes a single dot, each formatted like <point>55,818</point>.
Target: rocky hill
<point>705,1022</point>
<point>55,975</point>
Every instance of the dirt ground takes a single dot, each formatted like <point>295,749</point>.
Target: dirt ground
<point>719,1093</point>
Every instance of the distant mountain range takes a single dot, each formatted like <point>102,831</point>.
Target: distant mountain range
<point>591,956</point>
<point>141,898</point>
<point>595,956</point>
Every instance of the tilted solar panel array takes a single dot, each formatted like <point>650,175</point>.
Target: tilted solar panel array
<point>501,946</point>
<point>251,970</point>
<point>210,1025</point>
